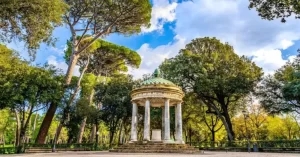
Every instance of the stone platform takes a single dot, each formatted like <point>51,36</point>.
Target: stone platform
<point>155,147</point>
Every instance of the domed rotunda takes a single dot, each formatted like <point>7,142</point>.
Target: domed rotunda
<point>162,93</point>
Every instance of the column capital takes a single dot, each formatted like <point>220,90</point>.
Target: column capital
<point>166,99</point>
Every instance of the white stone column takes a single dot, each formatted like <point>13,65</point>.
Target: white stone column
<point>167,122</point>
<point>147,121</point>
<point>162,122</point>
<point>179,124</point>
<point>134,123</point>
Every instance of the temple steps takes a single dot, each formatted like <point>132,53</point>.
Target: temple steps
<point>155,148</point>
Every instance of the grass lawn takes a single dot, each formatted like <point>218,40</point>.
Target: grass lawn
<point>6,145</point>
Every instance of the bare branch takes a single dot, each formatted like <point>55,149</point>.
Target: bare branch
<point>86,29</point>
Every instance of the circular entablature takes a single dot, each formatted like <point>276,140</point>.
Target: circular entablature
<point>157,90</point>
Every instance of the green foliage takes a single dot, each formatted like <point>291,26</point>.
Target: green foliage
<point>110,58</point>
<point>197,124</point>
<point>272,9</point>
<point>218,76</point>
<point>96,44</point>
<point>10,67</point>
<point>31,21</point>
<point>106,58</point>
<point>281,92</point>
<point>288,130</point>
<point>253,126</point>
<point>63,137</point>
<point>270,96</point>
<point>102,17</point>
<point>6,126</point>
<point>88,83</point>
<point>116,101</point>
<point>21,83</point>
<point>125,16</point>
<point>33,85</point>
<point>26,89</point>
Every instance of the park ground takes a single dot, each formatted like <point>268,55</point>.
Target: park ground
<point>108,154</point>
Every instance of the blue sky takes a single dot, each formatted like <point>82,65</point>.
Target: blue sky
<point>174,24</point>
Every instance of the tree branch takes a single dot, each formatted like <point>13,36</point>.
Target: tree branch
<point>86,29</point>
<point>219,128</point>
<point>94,39</point>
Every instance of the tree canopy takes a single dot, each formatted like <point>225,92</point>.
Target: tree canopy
<point>218,76</point>
<point>102,17</point>
<point>31,21</point>
<point>279,93</point>
<point>272,9</point>
<point>106,58</point>
<point>116,102</point>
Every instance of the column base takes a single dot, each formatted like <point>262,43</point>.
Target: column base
<point>179,142</point>
<point>132,141</point>
<point>168,141</point>
<point>146,141</point>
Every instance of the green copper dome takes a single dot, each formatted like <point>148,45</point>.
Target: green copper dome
<point>156,79</point>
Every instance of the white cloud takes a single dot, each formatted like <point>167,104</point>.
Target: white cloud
<point>241,27</point>
<point>291,58</point>
<point>162,12</point>
<point>286,44</point>
<point>153,57</point>
<point>58,51</point>
<point>270,60</point>
<point>215,8</point>
<point>230,21</point>
<point>52,60</point>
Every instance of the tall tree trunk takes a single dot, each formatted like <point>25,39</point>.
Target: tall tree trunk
<point>17,128</point>
<point>71,67</point>
<point>224,117</point>
<point>120,134</point>
<point>83,123</point>
<point>29,131</point>
<point>70,139</point>
<point>97,133</point>
<point>34,123</point>
<point>229,125</point>
<point>3,139</point>
<point>186,134</point>
<point>24,125</point>
<point>227,120</point>
<point>111,137</point>
<point>81,130</point>
<point>53,106</point>
<point>58,130</point>
<point>70,103</point>
<point>213,135</point>
<point>227,128</point>
<point>93,133</point>
<point>41,137</point>
<point>73,96</point>
<point>190,135</point>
